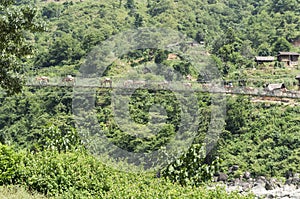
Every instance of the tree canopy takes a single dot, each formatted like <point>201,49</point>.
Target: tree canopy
<point>16,22</point>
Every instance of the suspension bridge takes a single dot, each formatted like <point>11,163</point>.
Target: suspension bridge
<point>91,85</point>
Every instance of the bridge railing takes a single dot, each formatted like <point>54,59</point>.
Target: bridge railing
<point>179,86</point>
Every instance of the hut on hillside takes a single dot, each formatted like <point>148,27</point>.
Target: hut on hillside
<point>274,87</point>
<point>288,58</point>
<point>172,56</point>
<point>264,59</point>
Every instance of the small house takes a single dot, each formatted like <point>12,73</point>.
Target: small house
<point>263,59</point>
<point>274,87</point>
<point>288,58</point>
<point>172,56</point>
<point>195,43</point>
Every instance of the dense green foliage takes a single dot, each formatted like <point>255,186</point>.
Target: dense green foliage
<point>191,168</point>
<point>36,118</point>
<point>50,158</point>
<point>264,138</point>
<point>53,173</point>
<point>263,128</point>
<point>16,25</point>
<point>235,31</point>
<point>78,175</point>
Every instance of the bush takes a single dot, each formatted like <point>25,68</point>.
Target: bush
<point>79,175</point>
<point>145,186</point>
<point>53,173</point>
<point>191,168</point>
<point>10,162</point>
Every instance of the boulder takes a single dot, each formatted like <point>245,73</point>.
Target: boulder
<point>295,181</point>
<point>246,186</point>
<point>233,168</point>
<point>247,175</point>
<point>236,182</point>
<point>259,183</point>
<point>270,185</point>
<point>288,181</point>
<point>289,174</point>
<point>222,177</point>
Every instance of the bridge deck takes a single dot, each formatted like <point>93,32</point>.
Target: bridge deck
<point>213,90</point>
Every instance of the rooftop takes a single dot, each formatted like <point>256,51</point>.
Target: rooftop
<point>271,87</point>
<point>264,58</point>
<point>288,53</point>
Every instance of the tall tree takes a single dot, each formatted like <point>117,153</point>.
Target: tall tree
<point>281,44</point>
<point>15,22</point>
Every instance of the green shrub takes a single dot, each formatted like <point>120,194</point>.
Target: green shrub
<point>125,185</point>
<point>79,175</point>
<point>191,168</point>
<point>10,162</point>
<point>53,173</point>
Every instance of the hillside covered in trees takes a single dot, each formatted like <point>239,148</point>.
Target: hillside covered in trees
<point>42,150</point>
<point>235,31</point>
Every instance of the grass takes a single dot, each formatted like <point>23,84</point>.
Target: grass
<point>17,192</point>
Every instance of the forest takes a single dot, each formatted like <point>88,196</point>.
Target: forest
<point>51,141</point>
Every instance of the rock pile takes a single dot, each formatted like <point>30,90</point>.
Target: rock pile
<point>261,186</point>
